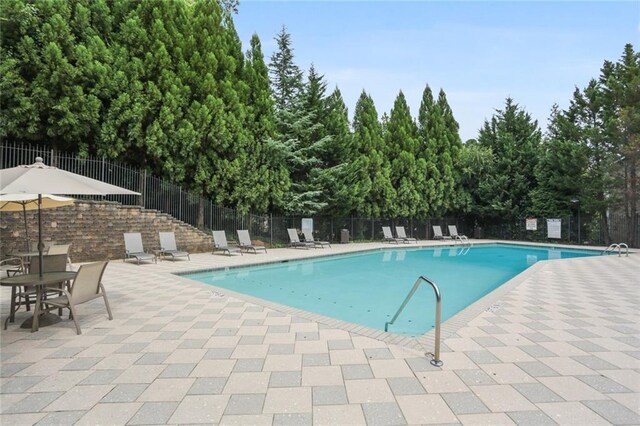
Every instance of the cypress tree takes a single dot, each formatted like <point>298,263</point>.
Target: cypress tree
<point>406,170</point>
<point>430,127</point>
<point>448,155</point>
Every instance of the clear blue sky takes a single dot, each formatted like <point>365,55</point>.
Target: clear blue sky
<point>478,52</point>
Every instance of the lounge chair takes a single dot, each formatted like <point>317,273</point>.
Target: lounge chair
<point>86,286</point>
<point>294,240</point>
<point>453,231</point>
<point>220,244</point>
<point>168,246</point>
<point>437,233</point>
<point>245,242</point>
<point>388,236</point>
<point>400,232</point>
<point>308,237</point>
<point>133,248</point>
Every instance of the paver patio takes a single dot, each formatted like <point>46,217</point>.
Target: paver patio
<point>560,345</point>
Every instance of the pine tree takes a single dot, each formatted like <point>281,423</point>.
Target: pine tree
<point>430,127</point>
<point>448,156</point>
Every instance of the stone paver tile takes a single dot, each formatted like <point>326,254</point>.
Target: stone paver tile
<point>128,392</point>
<point>79,398</point>
<point>571,389</point>
<point>482,357</point>
<point>152,358</point>
<point>594,362</point>
<point>167,390</point>
<point>347,356</point>
<point>385,368</point>
<point>567,366</point>
<point>177,370</point>
<point>531,418</point>
<point>312,347</point>
<point>629,400</point>
<point>118,413</point>
<point>363,371</point>
<point>292,419</point>
<point>536,369</point>
<point>248,364</point>
<point>424,409</point>
<point>331,415</point>
<point>475,377</point>
<point>247,419</point>
<point>378,353</point>
<point>329,395</point>
<point>32,403</point>
<point>421,364</point>
<point>507,373</point>
<point>383,413</point>
<point>620,359</point>
<point>368,390</point>
<point>604,384</point>
<point>140,374</point>
<point>250,351</point>
<point>247,382</point>
<point>281,349</point>
<point>245,404</point>
<point>185,356</point>
<point>200,409</point>
<point>153,413</point>
<point>21,419</point>
<point>627,378</point>
<point>283,362</point>
<point>60,381</point>
<point>510,354</point>
<point>82,363</point>
<point>537,392</point>
<point>464,403</point>
<point>405,386</point>
<point>614,412</point>
<point>213,368</point>
<point>20,384</point>
<point>459,361</point>
<point>101,377</point>
<point>441,381</point>
<point>571,413</point>
<point>322,376</point>
<point>309,360</point>
<point>207,386</point>
<point>58,419</point>
<point>493,419</point>
<point>285,379</point>
<point>288,400</point>
<point>118,361</point>
<point>501,398</point>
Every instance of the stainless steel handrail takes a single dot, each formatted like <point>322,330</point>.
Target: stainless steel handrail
<point>462,239</point>
<point>436,356</point>
<point>619,246</point>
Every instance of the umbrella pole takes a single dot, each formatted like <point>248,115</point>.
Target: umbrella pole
<point>26,228</point>
<point>40,245</point>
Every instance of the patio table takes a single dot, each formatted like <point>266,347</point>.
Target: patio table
<point>39,282</point>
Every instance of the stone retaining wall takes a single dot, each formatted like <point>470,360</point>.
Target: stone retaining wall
<point>94,230</point>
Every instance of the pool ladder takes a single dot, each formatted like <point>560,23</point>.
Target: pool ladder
<point>422,279</point>
<point>618,246</point>
<point>462,239</point>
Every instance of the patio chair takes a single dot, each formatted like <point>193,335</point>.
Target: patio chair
<point>85,287</point>
<point>50,263</point>
<point>168,246</point>
<point>437,233</point>
<point>294,240</point>
<point>388,236</point>
<point>133,248</point>
<point>453,231</point>
<point>220,244</point>
<point>308,236</point>
<point>12,266</point>
<point>61,249</point>
<point>400,232</point>
<point>245,242</point>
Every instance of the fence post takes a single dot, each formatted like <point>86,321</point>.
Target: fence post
<point>103,168</point>
<point>143,187</point>
<point>271,229</point>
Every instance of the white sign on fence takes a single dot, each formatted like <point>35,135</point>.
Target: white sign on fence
<point>554,228</point>
<point>307,223</point>
<point>532,224</point>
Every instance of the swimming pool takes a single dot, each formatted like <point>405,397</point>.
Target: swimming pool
<point>367,288</point>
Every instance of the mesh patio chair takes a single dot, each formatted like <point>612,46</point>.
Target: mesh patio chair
<point>220,244</point>
<point>308,237</point>
<point>400,232</point>
<point>388,236</point>
<point>245,242</point>
<point>133,248</point>
<point>168,246</point>
<point>294,240</point>
<point>437,233</point>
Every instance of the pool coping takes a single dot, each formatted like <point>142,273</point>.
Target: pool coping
<point>424,342</point>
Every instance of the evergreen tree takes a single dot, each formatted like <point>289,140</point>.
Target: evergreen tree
<point>430,128</point>
<point>514,138</point>
<point>406,170</point>
<point>369,170</point>
<point>448,155</point>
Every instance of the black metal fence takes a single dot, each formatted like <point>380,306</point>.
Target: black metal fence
<point>164,196</point>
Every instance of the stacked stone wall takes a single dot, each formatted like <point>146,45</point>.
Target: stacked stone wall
<point>95,230</point>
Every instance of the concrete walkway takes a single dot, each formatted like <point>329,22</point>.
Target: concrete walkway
<point>560,344</point>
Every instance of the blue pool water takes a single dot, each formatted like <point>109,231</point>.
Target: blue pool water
<point>367,288</point>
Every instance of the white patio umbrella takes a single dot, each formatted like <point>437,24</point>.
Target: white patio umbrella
<point>41,179</point>
<point>24,202</point>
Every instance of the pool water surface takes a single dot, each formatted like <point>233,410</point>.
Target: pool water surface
<point>367,288</point>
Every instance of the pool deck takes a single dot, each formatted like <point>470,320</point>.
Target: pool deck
<point>559,344</point>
